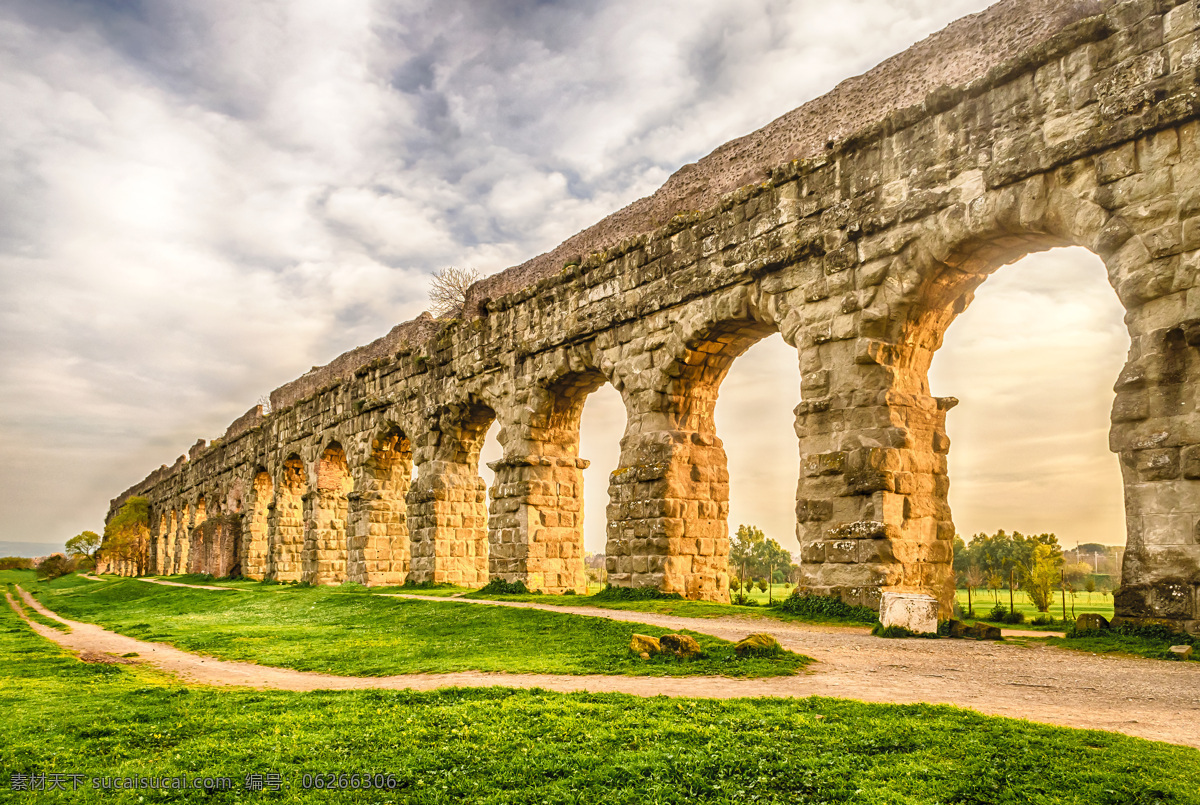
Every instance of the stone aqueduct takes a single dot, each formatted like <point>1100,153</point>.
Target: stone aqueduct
<point>858,227</point>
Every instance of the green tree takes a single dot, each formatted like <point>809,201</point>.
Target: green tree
<point>1040,574</point>
<point>761,556</point>
<point>84,544</point>
<point>962,556</point>
<point>127,534</point>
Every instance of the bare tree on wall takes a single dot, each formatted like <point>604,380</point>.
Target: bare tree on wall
<point>448,289</point>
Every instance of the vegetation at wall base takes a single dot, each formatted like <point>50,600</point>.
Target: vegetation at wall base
<point>611,593</point>
<point>825,607</point>
<point>499,586</point>
<point>879,630</point>
<point>493,746</point>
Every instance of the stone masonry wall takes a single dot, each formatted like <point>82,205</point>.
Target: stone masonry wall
<point>859,250</point>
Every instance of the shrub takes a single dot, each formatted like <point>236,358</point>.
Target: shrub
<point>1016,616</point>
<point>502,587</point>
<point>54,566</point>
<point>611,593</point>
<point>825,606</point>
<point>997,613</point>
<point>761,585</point>
<point>15,563</point>
<point>879,630</point>
<point>1042,620</point>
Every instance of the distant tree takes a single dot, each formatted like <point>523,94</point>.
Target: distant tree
<point>1040,576</point>
<point>962,555</point>
<point>995,583</point>
<point>762,585</point>
<point>84,544</point>
<point>1090,586</point>
<point>1076,572</point>
<point>973,578</point>
<point>53,566</point>
<point>448,289</point>
<point>15,563</point>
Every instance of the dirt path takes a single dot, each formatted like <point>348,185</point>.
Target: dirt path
<point>1145,698</point>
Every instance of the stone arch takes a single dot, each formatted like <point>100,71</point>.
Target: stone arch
<point>536,528</point>
<point>378,543</point>
<point>257,524</point>
<point>448,518</point>
<point>285,536</point>
<point>878,516</point>
<point>670,497</point>
<point>325,551</point>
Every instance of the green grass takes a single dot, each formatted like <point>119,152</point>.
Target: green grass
<point>983,601</point>
<point>347,631</point>
<point>203,579</point>
<point>674,607</point>
<point>499,746</point>
<point>1124,645</point>
<point>33,614</point>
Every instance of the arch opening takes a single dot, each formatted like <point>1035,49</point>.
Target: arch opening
<point>378,544</point>
<point>325,545</point>
<point>1032,360</point>
<point>756,421</point>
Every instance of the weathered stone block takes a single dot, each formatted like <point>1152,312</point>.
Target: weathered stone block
<point>913,611</point>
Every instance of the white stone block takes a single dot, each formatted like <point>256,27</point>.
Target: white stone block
<point>916,612</point>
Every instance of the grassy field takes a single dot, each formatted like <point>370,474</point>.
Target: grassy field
<point>983,601</point>
<point>497,746</point>
<point>347,631</point>
<point>675,607</point>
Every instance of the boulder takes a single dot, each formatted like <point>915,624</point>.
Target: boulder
<point>1091,622</point>
<point>680,645</point>
<point>644,644</point>
<point>758,645</point>
<point>1181,652</point>
<point>957,628</point>
<point>979,631</point>
<point>983,631</point>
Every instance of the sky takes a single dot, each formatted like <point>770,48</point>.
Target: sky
<point>200,200</point>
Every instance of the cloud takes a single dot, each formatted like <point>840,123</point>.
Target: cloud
<point>199,201</point>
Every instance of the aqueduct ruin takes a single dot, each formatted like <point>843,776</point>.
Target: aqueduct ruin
<point>858,226</point>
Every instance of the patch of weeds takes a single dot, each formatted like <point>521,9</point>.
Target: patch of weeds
<point>825,607</point>
<point>611,593</point>
<point>880,630</point>
<point>499,586</point>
